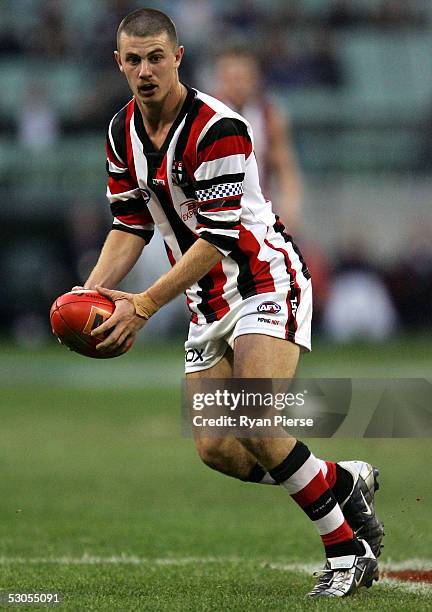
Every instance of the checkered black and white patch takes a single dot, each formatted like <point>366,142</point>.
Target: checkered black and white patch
<point>217,192</point>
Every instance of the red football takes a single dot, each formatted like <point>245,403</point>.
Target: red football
<point>75,314</point>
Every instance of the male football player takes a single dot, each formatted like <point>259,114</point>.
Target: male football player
<point>183,161</point>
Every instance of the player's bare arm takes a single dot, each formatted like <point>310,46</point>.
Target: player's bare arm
<point>285,166</point>
<point>125,321</point>
<point>117,258</point>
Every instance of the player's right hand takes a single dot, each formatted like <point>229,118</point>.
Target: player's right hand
<point>122,325</point>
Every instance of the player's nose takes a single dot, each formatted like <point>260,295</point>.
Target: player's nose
<point>145,69</point>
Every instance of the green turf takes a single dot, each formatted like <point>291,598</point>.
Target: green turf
<point>94,465</point>
<point>234,586</point>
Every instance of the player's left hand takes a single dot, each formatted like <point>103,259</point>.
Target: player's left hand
<point>123,324</point>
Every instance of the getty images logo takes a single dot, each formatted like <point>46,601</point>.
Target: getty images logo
<point>269,307</point>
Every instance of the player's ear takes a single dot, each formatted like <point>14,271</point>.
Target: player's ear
<point>179,55</point>
<point>118,60</point>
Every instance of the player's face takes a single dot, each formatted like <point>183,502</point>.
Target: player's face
<point>238,79</point>
<point>150,66</point>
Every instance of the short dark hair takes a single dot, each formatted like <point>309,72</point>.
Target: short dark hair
<point>147,22</point>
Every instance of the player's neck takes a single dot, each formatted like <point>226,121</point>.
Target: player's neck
<point>157,117</point>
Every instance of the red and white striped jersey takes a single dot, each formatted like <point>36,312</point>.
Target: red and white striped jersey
<point>202,183</point>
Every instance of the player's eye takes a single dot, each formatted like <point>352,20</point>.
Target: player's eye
<point>133,59</point>
<point>155,59</point>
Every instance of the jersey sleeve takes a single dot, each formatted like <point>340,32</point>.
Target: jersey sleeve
<point>129,210</point>
<point>218,182</point>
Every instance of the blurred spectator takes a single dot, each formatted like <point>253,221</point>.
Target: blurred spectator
<point>343,14</point>
<point>10,44</point>
<point>87,229</point>
<point>238,82</point>
<point>312,64</point>
<point>397,14</point>
<point>358,306</point>
<point>102,43</point>
<point>99,104</point>
<point>410,279</point>
<point>242,17</point>
<point>385,15</point>
<point>38,122</point>
<point>286,66</point>
<point>353,257</point>
<point>323,61</point>
<point>196,20</point>
<point>49,38</point>
<point>35,272</point>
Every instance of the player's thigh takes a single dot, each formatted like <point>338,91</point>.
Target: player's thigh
<point>262,356</point>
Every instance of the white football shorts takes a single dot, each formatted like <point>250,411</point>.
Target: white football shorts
<point>271,314</point>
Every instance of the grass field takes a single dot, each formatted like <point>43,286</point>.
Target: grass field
<point>105,503</point>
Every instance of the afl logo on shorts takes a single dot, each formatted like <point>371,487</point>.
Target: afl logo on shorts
<point>269,307</point>
<point>145,194</point>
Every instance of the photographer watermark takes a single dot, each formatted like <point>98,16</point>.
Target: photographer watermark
<point>236,404</point>
<point>232,400</point>
<point>375,408</point>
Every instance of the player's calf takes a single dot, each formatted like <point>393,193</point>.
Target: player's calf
<point>227,456</point>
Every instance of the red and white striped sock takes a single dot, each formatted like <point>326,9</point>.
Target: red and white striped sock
<point>300,474</point>
<point>338,479</point>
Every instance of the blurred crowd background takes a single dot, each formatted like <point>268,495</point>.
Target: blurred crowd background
<point>354,81</point>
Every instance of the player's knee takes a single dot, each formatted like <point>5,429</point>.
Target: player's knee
<point>211,452</point>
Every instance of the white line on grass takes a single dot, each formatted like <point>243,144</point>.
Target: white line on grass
<point>308,568</point>
<point>420,588</point>
<point>122,559</point>
<point>389,565</point>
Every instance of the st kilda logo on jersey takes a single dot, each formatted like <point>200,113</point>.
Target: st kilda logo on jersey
<point>178,174</point>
